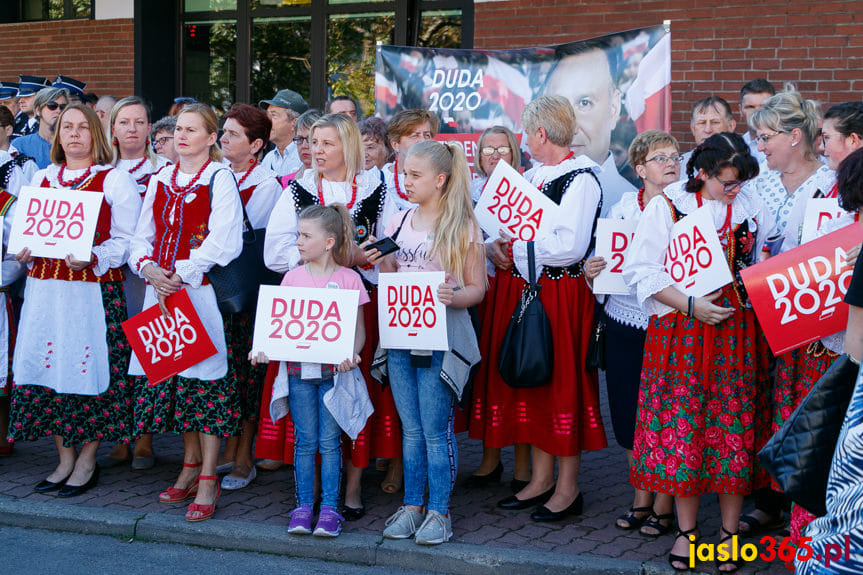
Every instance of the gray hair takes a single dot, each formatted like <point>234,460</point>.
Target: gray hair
<point>46,95</point>
<point>166,124</point>
<point>307,119</point>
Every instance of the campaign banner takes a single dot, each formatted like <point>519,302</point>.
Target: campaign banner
<point>54,223</point>
<point>818,212</point>
<point>695,259</point>
<point>168,345</point>
<point>471,90</point>
<point>798,295</point>
<point>514,205</point>
<point>310,325</point>
<point>613,238</point>
<point>410,315</point>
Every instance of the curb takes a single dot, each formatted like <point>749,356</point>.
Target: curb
<point>356,548</point>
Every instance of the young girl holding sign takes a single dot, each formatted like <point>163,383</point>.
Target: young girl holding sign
<point>440,234</point>
<point>324,240</point>
<point>704,382</point>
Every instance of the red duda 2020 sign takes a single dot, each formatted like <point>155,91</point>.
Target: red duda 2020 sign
<point>798,295</point>
<point>166,346</point>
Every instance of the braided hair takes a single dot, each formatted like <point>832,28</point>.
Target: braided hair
<point>719,151</point>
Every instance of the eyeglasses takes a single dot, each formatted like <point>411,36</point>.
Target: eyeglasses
<point>501,150</point>
<point>54,105</point>
<point>728,186</point>
<point>300,140</point>
<point>662,159</point>
<point>764,138</point>
<point>162,141</point>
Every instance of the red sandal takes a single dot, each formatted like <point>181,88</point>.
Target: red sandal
<point>206,511</point>
<point>175,495</point>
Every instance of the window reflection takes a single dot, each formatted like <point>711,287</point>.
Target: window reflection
<point>210,63</point>
<point>281,53</point>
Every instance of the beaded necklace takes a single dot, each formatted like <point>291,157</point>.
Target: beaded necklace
<point>182,190</point>
<point>76,181</point>
<point>725,230</point>
<point>565,158</point>
<point>641,199</point>
<point>246,175</point>
<point>402,195</point>
<point>350,204</point>
<point>137,166</point>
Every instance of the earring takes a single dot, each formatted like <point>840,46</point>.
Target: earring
<point>794,144</point>
<point>116,142</point>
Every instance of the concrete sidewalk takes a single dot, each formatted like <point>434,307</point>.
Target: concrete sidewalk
<point>486,539</point>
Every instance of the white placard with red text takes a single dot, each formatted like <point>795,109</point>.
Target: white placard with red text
<point>511,203</point>
<point>819,211</point>
<point>612,241</point>
<point>798,295</point>
<point>694,258</point>
<point>54,223</point>
<point>410,315</point>
<point>311,325</point>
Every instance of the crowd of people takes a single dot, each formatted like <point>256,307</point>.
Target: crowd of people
<point>694,390</point>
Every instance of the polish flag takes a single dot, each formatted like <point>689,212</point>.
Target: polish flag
<point>506,86</point>
<point>648,99</point>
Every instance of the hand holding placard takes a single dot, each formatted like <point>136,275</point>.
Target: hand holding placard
<point>410,313</point>
<point>695,259</point>
<point>513,204</point>
<point>612,241</point>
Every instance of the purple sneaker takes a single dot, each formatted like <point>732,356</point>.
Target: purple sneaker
<point>329,523</point>
<point>301,520</point>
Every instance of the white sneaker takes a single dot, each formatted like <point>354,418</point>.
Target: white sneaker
<point>402,524</point>
<point>231,483</point>
<point>436,529</point>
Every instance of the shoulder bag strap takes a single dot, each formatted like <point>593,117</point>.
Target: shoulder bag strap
<point>399,229</point>
<point>531,263</point>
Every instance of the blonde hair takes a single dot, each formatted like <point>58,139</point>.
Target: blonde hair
<point>555,114</point>
<point>337,223</point>
<point>787,110</point>
<point>100,151</point>
<point>647,141</point>
<point>456,227</point>
<point>352,142</point>
<point>131,101</point>
<point>211,124</point>
<point>513,145</point>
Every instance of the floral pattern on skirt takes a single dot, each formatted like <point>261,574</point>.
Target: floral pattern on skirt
<point>703,406</point>
<point>39,411</point>
<point>248,379</point>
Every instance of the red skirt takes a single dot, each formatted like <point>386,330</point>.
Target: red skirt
<point>561,418</point>
<point>703,406</point>
<point>381,436</point>
<point>796,372</point>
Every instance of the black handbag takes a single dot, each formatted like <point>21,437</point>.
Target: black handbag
<point>799,455</point>
<point>526,353</point>
<point>595,358</point>
<point>236,284</point>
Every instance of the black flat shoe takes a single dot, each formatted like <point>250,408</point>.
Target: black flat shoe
<point>514,503</point>
<point>353,513</point>
<point>76,490</point>
<point>485,480</point>
<point>46,486</point>
<point>517,485</point>
<point>543,513</point>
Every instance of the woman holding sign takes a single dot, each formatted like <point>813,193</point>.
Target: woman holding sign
<point>655,156</point>
<point>72,383</point>
<point>192,220</point>
<point>787,129</point>
<point>495,144</point>
<point>561,418</point>
<point>440,234</point>
<point>704,379</point>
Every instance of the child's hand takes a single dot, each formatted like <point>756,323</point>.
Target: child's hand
<point>348,364</point>
<point>445,291</point>
<point>258,359</point>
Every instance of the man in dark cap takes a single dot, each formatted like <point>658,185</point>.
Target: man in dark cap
<point>71,85</point>
<point>283,110</point>
<point>9,96</point>
<point>25,121</point>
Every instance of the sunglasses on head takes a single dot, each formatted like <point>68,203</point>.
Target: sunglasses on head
<point>54,105</point>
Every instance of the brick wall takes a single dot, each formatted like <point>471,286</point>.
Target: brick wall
<point>99,52</point>
<point>818,45</point>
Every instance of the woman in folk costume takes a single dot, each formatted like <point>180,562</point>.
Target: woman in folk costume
<point>191,220</point>
<point>704,381</point>
<point>130,139</point>
<point>245,134</point>
<point>337,177</point>
<point>72,382</point>
<point>560,419</point>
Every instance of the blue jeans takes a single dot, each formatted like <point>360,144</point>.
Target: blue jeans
<point>426,406</point>
<point>315,431</point>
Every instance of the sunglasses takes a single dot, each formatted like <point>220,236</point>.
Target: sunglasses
<point>54,105</point>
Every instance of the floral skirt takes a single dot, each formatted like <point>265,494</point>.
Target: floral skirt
<point>38,411</point>
<point>703,406</point>
<point>248,379</point>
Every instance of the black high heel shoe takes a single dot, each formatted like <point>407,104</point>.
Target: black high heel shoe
<point>75,490</point>
<point>543,513</point>
<point>485,480</point>
<point>46,486</point>
<point>735,562</point>
<point>513,503</point>
<point>672,558</point>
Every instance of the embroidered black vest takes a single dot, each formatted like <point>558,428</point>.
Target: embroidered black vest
<point>365,213</point>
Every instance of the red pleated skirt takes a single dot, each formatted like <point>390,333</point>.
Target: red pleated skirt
<point>381,436</point>
<point>561,418</point>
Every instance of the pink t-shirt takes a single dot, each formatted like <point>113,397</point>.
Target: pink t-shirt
<point>345,278</point>
<point>414,246</point>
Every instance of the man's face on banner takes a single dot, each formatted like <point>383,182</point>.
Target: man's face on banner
<point>585,80</point>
